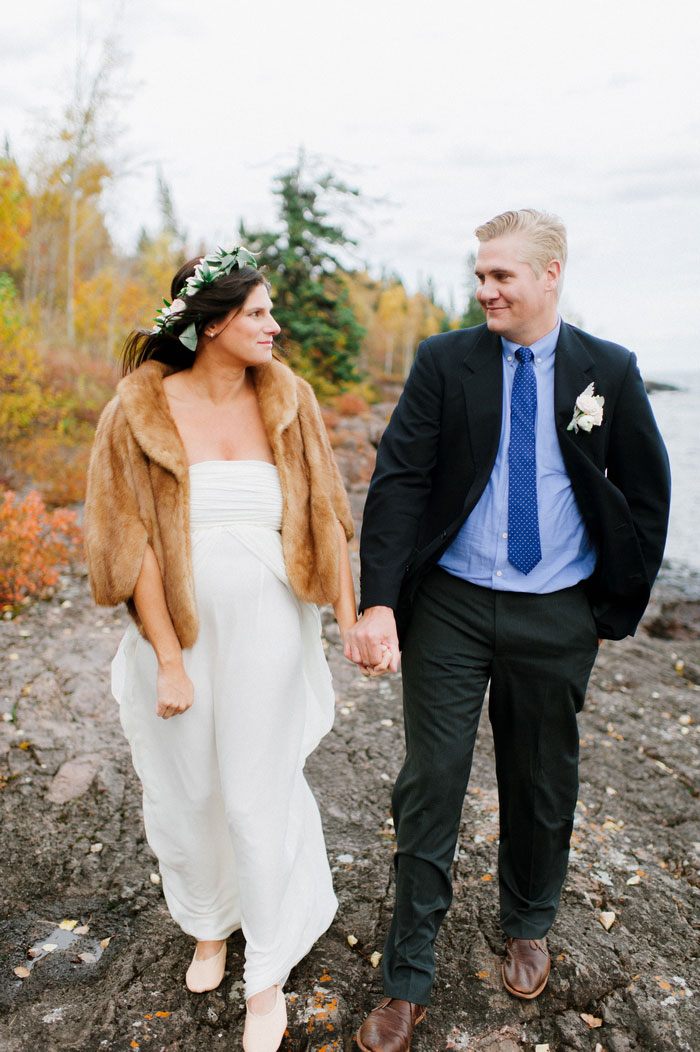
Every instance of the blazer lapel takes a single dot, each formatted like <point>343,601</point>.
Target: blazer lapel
<point>573,372</point>
<point>482,384</point>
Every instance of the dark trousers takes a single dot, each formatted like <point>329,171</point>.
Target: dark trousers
<point>537,651</point>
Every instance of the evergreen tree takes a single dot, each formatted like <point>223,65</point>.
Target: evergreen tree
<point>312,305</point>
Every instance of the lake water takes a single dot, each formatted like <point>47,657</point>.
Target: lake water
<point>678,416</point>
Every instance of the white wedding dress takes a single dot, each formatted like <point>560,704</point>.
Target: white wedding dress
<point>226,806</point>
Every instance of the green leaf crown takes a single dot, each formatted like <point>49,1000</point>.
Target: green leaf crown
<point>208,270</point>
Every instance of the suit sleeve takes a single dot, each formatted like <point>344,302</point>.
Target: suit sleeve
<point>638,465</point>
<point>401,483</point>
<point>115,536</point>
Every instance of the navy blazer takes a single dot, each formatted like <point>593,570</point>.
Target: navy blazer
<point>439,448</point>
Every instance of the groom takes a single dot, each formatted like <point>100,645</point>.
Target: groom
<point>517,514</point>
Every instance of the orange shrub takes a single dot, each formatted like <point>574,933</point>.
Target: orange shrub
<point>351,404</point>
<point>52,454</point>
<point>34,546</point>
<point>54,462</point>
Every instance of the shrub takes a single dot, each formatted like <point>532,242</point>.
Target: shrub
<point>20,368</point>
<point>54,461</point>
<point>35,545</point>
<point>52,452</point>
<point>351,404</point>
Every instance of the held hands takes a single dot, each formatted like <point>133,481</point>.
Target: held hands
<point>175,691</point>
<point>372,642</point>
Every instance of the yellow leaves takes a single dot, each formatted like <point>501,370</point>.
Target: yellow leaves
<point>21,972</point>
<point>394,322</point>
<point>104,943</point>
<point>373,958</point>
<point>68,925</point>
<point>483,974</point>
<point>591,1021</point>
<point>106,307</point>
<point>20,369</point>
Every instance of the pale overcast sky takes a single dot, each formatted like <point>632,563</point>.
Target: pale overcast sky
<point>451,111</point>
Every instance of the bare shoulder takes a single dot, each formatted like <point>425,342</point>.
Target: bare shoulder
<point>175,384</point>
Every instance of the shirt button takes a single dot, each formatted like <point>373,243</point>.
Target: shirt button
<point>504,535</point>
<point>510,358</point>
<point>499,573</point>
<point>538,360</point>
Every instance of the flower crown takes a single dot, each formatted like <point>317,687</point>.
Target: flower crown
<point>208,270</point>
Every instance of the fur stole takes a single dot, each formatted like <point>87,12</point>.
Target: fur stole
<point>138,493</point>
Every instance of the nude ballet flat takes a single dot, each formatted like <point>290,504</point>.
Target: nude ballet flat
<point>264,1033</point>
<point>207,974</point>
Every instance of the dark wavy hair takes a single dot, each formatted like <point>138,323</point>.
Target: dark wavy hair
<point>208,304</point>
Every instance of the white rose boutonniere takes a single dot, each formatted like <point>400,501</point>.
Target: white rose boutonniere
<point>588,411</point>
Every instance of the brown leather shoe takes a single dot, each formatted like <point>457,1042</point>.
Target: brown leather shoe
<point>526,967</point>
<point>390,1026</point>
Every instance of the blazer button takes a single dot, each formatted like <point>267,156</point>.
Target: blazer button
<point>443,535</point>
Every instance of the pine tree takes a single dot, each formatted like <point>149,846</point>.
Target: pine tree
<point>321,333</point>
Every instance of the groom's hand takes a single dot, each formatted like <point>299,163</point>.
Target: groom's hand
<point>372,642</point>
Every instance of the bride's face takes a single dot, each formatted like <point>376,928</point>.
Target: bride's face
<point>246,334</point>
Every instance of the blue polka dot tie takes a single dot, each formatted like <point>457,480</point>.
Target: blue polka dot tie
<point>524,550</point>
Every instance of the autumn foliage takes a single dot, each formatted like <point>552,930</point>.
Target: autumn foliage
<point>35,546</point>
<point>69,296</point>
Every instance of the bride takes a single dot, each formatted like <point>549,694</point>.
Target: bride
<point>216,512</point>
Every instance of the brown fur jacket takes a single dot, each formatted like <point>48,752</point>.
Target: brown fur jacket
<point>138,493</point>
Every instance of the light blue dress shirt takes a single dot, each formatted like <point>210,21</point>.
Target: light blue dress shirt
<point>479,552</point>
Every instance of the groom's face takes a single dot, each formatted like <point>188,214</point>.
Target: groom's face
<point>518,304</point>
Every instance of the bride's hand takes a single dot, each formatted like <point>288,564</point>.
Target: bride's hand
<point>175,691</point>
<point>382,667</point>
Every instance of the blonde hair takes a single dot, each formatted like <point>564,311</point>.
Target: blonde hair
<point>544,235</point>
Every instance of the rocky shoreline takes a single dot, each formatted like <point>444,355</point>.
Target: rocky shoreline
<point>625,974</point>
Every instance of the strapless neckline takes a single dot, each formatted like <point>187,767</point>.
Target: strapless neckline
<point>209,463</point>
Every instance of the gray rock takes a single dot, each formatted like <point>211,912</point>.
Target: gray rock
<point>74,778</point>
